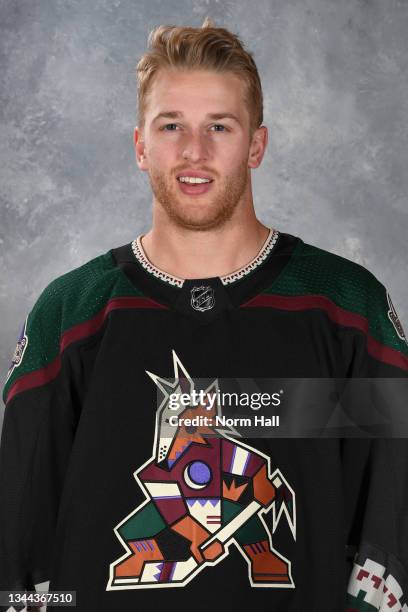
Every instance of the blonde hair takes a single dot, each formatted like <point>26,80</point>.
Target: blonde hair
<point>209,48</point>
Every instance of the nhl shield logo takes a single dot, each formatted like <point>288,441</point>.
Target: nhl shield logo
<point>202,298</point>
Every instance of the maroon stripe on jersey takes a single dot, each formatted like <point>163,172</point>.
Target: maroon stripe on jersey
<point>376,349</point>
<point>35,379</point>
<point>87,328</point>
<point>77,332</point>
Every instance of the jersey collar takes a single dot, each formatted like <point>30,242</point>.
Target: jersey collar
<point>204,299</point>
<point>227,279</point>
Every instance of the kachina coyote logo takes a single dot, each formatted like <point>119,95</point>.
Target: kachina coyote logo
<point>205,492</point>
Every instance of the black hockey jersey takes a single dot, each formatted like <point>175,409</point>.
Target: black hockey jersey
<point>112,487</point>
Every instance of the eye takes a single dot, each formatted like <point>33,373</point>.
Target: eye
<point>167,125</point>
<point>174,125</point>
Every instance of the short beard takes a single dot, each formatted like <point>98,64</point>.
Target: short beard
<point>219,211</point>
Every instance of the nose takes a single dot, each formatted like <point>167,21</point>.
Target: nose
<point>195,147</point>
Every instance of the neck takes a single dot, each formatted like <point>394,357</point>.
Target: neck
<point>189,254</point>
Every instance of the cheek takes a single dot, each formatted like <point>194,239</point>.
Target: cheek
<point>162,158</point>
<point>158,151</point>
<point>231,162</point>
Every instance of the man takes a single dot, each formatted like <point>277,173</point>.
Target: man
<point>110,351</point>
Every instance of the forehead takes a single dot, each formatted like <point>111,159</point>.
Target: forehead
<point>196,89</point>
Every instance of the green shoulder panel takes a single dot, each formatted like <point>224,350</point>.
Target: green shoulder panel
<point>70,299</point>
<point>349,285</point>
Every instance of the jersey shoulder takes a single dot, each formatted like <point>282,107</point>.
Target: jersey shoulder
<point>67,302</point>
<point>350,293</point>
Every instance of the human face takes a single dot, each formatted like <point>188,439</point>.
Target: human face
<point>180,134</point>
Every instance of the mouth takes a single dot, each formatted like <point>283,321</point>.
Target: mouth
<point>194,188</point>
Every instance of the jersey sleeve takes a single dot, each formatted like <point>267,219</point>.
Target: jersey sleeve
<point>381,347</point>
<point>40,418</point>
<point>376,466</point>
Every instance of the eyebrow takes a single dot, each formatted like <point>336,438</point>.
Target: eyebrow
<point>215,116</point>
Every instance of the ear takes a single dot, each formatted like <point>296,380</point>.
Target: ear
<point>258,147</point>
<point>139,144</point>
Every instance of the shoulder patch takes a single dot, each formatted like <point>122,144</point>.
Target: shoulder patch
<point>393,317</point>
<point>18,355</point>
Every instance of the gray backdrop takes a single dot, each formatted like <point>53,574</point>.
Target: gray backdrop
<point>335,79</point>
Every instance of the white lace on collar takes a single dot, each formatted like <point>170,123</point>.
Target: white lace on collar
<point>227,279</point>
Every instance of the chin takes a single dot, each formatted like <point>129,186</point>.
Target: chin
<point>198,222</point>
